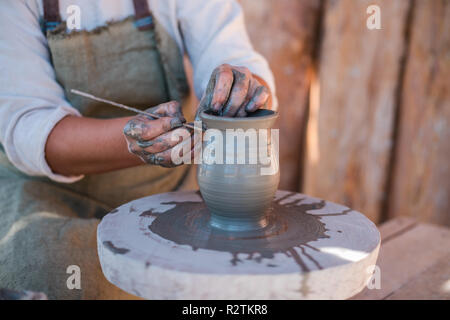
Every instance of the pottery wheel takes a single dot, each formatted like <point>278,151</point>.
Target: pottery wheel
<point>163,247</point>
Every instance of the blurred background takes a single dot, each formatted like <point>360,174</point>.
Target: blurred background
<point>365,114</point>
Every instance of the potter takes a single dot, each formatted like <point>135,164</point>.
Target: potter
<point>77,158</point>
<point>238,194</point>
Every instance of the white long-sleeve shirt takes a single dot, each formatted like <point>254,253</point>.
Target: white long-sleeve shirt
<point>31,100</point>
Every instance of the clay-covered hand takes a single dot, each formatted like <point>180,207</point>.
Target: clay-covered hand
<point>233,92</point>
<point>153,139</point>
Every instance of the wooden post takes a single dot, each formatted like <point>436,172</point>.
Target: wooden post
<point>421,179</point>
<point>350,129</point>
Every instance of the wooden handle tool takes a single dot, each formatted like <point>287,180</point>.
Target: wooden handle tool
<point>122,106</point>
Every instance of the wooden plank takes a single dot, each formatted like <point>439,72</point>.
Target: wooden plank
<point>431,284</point>
<point>407,256</point>
<point>349,135</point>
<point>284,31</point>
<point>396,227</point>
<point>421,180</point>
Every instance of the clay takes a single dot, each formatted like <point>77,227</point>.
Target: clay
<point>110,246</point>
<point>238,195</point>
<point>289,226</point>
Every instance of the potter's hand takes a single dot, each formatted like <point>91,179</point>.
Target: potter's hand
<point>153,139</point>
<point>233,92</point>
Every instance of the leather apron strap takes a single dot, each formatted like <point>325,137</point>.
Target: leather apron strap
<point>143,15</point>
<point>52,18</point>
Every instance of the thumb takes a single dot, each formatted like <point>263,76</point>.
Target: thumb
<point>202,106</point>
<point>205,102</point>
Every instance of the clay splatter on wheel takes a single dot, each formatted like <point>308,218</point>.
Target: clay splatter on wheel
<point>164,246</point>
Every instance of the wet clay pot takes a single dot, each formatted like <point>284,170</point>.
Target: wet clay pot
<point>238,184</point>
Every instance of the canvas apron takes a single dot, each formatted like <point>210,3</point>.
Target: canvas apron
<point>47,229</point>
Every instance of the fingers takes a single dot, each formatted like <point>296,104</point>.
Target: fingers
<point>142,128</point>
<point>164,141</point>
<point>161,141</point>
<point>202,106</point>
<point>168,109</point>
<point>159,150</point>
<point>239,92</point>
<point>233,92</point>
<point>181,153</point>
<point>217,90</point>
<point>174,156</point>
<point>259,98</point>
<point>241,112</point>
<point>224,78</point>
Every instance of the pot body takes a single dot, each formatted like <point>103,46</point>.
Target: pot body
<point>239,173</point>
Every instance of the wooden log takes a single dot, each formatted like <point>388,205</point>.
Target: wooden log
<point>421,179</point>
<point>285,33</point>
<point>353,104</point>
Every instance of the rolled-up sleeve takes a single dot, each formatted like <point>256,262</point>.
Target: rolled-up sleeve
<point>31,100</point>
<point>214,33</point>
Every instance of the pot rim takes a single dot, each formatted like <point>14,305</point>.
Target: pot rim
<point>207,116</point>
